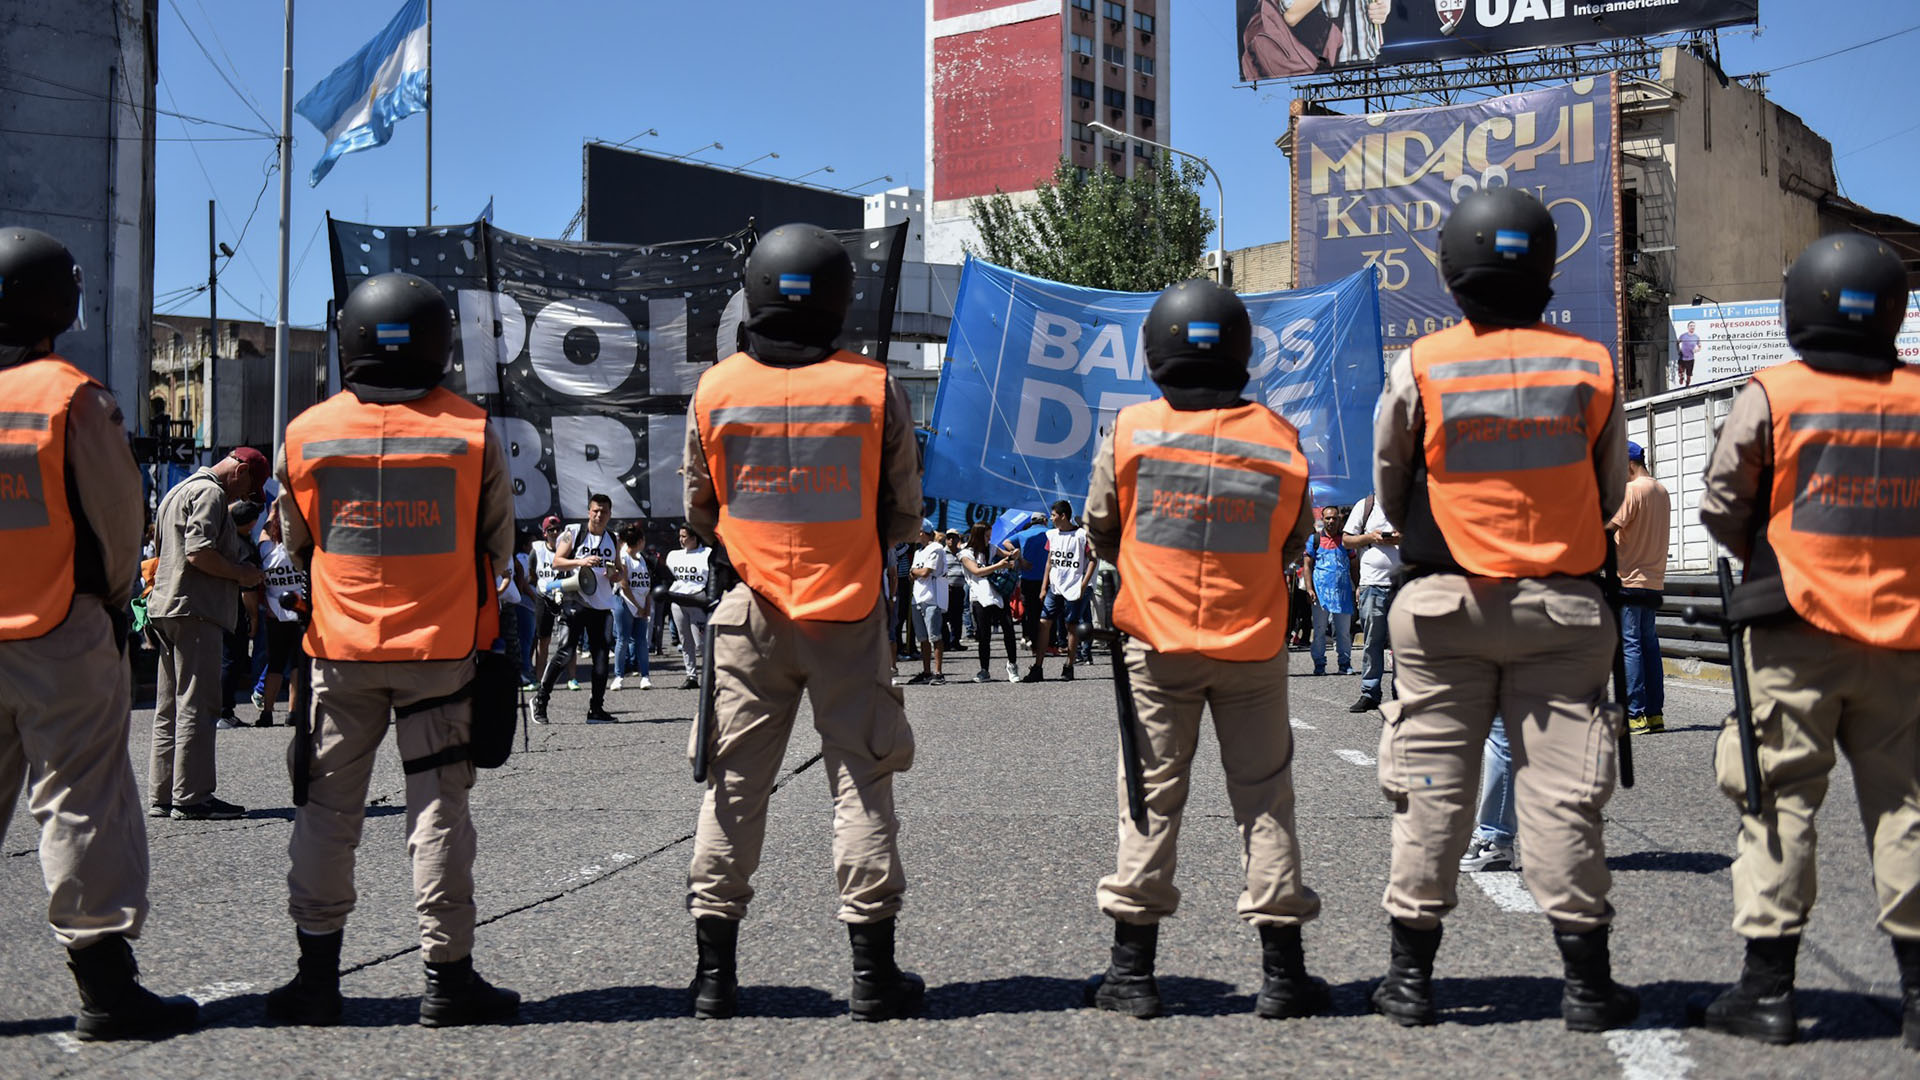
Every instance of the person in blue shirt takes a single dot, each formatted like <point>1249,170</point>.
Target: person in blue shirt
<point>1030,544</point>
<point>1330,569</point>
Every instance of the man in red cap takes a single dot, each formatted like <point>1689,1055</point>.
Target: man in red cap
<point>196,597</point>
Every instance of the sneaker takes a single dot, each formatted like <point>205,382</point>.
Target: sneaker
<point>160,809</point>
<point>617,683</point>
<point>540,717</point>
<point>1013,672</point>
<point>938,679</point>
<point>1484,854</point>
<point>646,683</point>
<point>692,683</point>
<point>259,700</point>
<point>1346,671</point>
<point>921,679</point>
<point>983,676</point>
<point>573,684</point>
<point>529,686</point>
<point>228,723</point>
<point>1066,673</point>
<point>600,716</point>
<point>1320,669</point>
<point>209,809</point>
<point>1647,725</point>
<point>1367,703</point>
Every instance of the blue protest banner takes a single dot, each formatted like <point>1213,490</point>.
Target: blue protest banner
<point>1036,371</point>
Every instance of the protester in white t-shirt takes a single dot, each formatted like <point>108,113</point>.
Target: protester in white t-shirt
<point>286,597</point>
<point>1369,532</point>
<point>633,618</point>
<point>989,607</point>
<point>587,553</point>
<point>540,556</point>
<point>689,567</point>
<point>929,573</point>
<point>1069,565</point>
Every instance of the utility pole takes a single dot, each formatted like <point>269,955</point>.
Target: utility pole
<point>213,331</point>
<point>280,344</point>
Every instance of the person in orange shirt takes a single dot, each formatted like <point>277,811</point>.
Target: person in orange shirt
<point>1198,498</point>
<point>1499,456</point>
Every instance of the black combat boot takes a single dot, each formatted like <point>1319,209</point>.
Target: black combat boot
<point>715,986</point>
<point>1405,995</point>
<point>881,991</point>
<point>1128,985</point>
<point>1907,954</point>
<point>113,1004</point>
<point>1760,1005</point>
<point>1592,1001</point>
<point>313,997</point>
<point>1287,992</point>
<point>456,995</point>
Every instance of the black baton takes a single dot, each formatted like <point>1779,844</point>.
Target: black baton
<point>300,714</point>
<point>703,722</point>
<point>1618,604</point>
<point>1129,722</point>
<point>1737,671</point>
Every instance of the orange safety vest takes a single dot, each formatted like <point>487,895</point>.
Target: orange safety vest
<point>37,533</point>
<point>1512,417</point>
<point>1207,501</point>
<point>1844,511</point>
<point>794,454</point>
<point>391,496</point>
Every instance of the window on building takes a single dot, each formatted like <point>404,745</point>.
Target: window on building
<point>1142,64</point>
<point>1116,12</point>
<point>1140,149</point>
<point>1114,97</point>
<point>1083,5</point>
<point>1142,106</point>
<point>1115,54</point>
<point>1143,21</point>
<point>1083,88</point>
<point>1082,132</point>
<point>1082,44</point>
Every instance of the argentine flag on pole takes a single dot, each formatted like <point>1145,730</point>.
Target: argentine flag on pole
<point>357,106</point>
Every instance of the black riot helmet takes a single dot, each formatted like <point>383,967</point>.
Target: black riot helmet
<point>799,285</point>
<point>1846,293</point>
<point>1497,253</point>
<point>1198,335</point>
<point>39,287</point>
<point>396,337</point>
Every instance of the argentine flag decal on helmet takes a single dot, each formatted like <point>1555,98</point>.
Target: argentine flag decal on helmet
<point>392,335</point>
<point>1204,334</point>
<point>1510,242</point>
<point>1856,305</point>
<point>794,286</point>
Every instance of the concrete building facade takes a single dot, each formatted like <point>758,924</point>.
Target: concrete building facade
<point>1012,86</point>
<point>242,380</point>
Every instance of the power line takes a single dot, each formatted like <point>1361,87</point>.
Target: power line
<point>158,138</point>
<point>213,31</point>
<point>1877,142</point>
<point>1848,49</point>
<point>215,65</point>
<point>90,95</point>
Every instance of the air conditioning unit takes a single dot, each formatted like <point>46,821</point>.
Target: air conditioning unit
<point>1210,261</point>
<point>1119,115</point>
<point>1085,104</point>
<point>1085,59</point>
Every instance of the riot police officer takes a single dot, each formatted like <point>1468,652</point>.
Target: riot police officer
<point>1500,456</point>
<point>70,526</point>
<point>395,493</point>
<point>801,463</point>
<point>1812,483</point>
<point>1198,497</point>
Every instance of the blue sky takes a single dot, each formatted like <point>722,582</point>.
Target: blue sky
<point>833,82</point>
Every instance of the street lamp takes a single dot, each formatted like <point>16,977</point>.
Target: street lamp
<point>864,183</point>
<point>1220,223</point>
<point>804,175</point>
<point>629,142</point>
<point>762,157</point>
<point>697,150</point>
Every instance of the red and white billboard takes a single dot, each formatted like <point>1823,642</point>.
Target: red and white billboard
<point>998,92</point>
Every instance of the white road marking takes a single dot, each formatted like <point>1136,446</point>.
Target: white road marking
<point>68,1041</point>
<point>1356,757</point>
<point>1301,725</point>
<point>1505,889</point>
<point>212,992</point>
<point>1650,1053</point>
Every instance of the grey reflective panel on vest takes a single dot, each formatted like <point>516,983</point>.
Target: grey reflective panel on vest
<point>793,414</point>
<point>1513,429</point>
<point>1853,421</point>
<point>1211,444</point>
<point>377,446</point>
<point>1193,507</point>
<point>1511,365</point>
<point>24,421</point>
<point>23,505</point>
<point>1865,491</point>
<point>367,510</point>
<point>801,479</point>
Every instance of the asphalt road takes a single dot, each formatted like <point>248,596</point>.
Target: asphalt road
<point>1008,823</point>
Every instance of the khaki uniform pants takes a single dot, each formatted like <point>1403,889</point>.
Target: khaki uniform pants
<point>1535,652</point>
<point>64,711</point>
<point>762,662</point>
<point>1812,691</point>
<point>186,706</point>
<point>352,704</point>
<point>1249,703</point>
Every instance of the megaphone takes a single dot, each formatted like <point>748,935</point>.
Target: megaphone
<point>582,583</point>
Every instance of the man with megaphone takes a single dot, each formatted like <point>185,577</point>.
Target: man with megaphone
<point>585,572</point>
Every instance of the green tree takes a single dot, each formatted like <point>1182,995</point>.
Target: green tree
<point>1138,234</point>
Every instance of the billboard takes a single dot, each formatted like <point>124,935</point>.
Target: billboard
<point>1372,191</point>
<point>996,100</point>
<point>1364,33</point>
<point>1710,342</point>
<point>634,198</point>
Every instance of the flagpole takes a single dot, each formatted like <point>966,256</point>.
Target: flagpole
<point>280,344</point>
<point>429,218</point>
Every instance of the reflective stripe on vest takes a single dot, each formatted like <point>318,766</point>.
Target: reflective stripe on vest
<point>794,454</point>
<point>1207,501</point>
<point>36,524</point>
<point>391,496</point>
<point>1512,417</point>
<point>1844,511</point>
